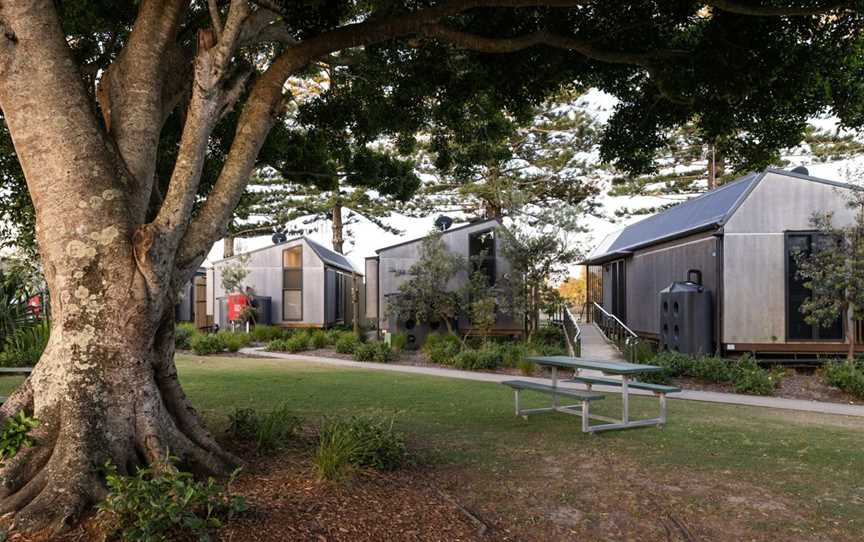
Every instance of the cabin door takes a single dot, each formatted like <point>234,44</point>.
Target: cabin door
<point>618,279</point>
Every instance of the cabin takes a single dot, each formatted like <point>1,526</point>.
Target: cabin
<point>296,283</point>
<point>191,304</point>
<point>385,273</point>
<point>732,246</point>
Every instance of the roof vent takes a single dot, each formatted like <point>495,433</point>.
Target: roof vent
<point>279,237</point>
<point>443,223</point>
<point>802,170</point>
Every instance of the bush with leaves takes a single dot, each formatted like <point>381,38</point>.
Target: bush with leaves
<point>16,435</point>
<point>347,343</point>
<point>442,349</point>
<point>526,367</point>
<point>373,351</point>
<point>744,374</point>
<point>398,341</point>
<point>477,360</point>
<point>262,333</point>
<point>362,442</point>
<point>207,343</point>
<point>25,345</point>
<point>183,334</point>
<point>319,339</point>
<point>849,377</point>
<point>164,504</point>
<point>234,340</point>
<point>296,342</point>
<point>269,431</point>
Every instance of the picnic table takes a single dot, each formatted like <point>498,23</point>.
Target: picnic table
<point>621,369</point>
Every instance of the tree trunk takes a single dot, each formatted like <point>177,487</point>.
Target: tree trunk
<point>228,246</point>
<point>850,336</point>
<point>336,217</point>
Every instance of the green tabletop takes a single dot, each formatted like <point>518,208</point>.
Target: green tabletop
<point>610,367</point>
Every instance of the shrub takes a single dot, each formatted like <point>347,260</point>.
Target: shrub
<point>347,343</point>
<point>383,352</point>
<point>183,334</point>
<point>475,360</point>
<point>207,343</point>
<point>549,335</point>
<point>399,341</point>
<point>234,340</point>
<point>358,442</point>
<point>442,349</point>
<point>264,334</point>
<point>318,339</point>
<point>513,354</point>
<point>271,431</point>
<point>545,349</point>
<point>849,377</point>
<point>365,352</point>
<point>526,367</point>
<point>16,435</point>
<point>297,342</point>
<point>25,345</point>
<point>164,505</point>
<point>745,375</point>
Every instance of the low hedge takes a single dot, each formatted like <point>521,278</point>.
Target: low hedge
<point>849,377</point>
<point>744,374</point>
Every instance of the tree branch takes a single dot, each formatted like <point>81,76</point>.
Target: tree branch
<point>213,7</point>
<point>733,6</point>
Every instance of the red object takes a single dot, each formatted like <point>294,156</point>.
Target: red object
<point>35,304</point>
<point>236,304</point>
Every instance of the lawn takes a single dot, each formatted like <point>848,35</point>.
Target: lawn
<point>714,472</point>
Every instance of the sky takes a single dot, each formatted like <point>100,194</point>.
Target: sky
<point>364,237</point>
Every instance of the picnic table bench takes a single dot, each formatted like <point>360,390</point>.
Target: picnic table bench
<point>581,409</point>
<point>622,369</point>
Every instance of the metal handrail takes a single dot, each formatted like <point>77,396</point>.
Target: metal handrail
<point>616,331</point>
<point>577,337</point>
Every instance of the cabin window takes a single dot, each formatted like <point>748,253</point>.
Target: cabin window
<point>481,252</point>
<point>340,296</point>
<point>796,293</point>
<point>292,283</point>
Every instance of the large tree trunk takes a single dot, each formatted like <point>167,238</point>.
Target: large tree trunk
<point>338,229</point>
<point>106,387</point>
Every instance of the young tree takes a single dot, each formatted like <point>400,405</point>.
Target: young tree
<point>138,124</point>
<point>538,258</point>
<point>833,270</point>
<point>426,296</point>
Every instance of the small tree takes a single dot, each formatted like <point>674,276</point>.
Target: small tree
<point>235,273</point>
<point>480,301</point>
<point>425,296</point>
<point>833,270</point>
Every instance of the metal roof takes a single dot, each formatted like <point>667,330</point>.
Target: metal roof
<point>331,257</point>
<point>703,212</point>
<point>445,232</point>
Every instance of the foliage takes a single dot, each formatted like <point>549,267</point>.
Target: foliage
<point>549,334</point>
<point>207,343</point>
<point>849,377</point>
<point>16,435</point>
<point>318,339</point>
<point>234,340</point>
<point>25,346</point>
<point>424,295</point>
<point>347,343</point>
<point>526,367</point>
<point>164,504</point>
<point>574,290</point>
<point>378,351</point>
<point>442,349</point>
<point>263,333</point>
<point>361,442</point>
<point>235,273</point>
<point>296,342</point>
<point>478,360</point>
<point>270,431</point>
<point>537,259</point>
<point>744,374</point>
<point>833,270</point>
<point>399,341</point>
<point>183,334</point>
<point>513,353</point>
<point>14,312</point>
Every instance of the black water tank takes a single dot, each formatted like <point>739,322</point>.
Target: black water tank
<point>686,316</point>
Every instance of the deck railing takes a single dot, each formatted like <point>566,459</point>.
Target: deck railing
<point>616,331</point>
<point>572,332</point>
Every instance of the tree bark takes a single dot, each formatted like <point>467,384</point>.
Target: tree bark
<point>227,246</point>
<point>336,216</point>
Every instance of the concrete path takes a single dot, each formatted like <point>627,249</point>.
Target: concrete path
<point>693,395</point>
<point>595,345</point>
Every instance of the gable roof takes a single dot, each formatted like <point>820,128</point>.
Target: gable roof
<point>706,212</point>
<point>445,232</point>
<point>326,255</point>
<point>331,257</point>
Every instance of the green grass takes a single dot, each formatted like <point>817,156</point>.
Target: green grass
<point>815,460</point>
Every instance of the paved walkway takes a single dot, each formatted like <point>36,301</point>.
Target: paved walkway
<point>595,345</point>
<point>707,396</point>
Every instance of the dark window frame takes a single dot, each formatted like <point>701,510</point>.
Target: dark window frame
<point>284,289</point>
<point>490,263</point>
<point>814,335</point>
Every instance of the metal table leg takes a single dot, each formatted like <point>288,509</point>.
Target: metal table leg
<point>555,402</point>
<point>625,397</point>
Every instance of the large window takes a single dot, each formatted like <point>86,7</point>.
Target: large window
<point>292,283</point>
<point>340,297</point>
<point>797,293</point>
<point>481,250</point>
